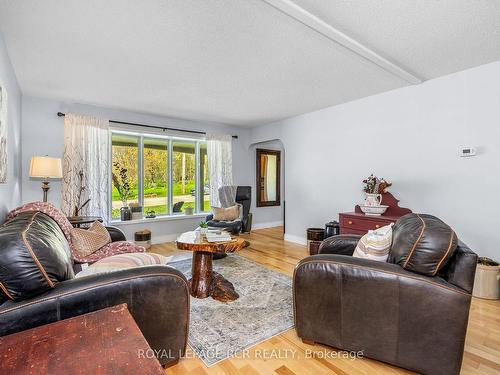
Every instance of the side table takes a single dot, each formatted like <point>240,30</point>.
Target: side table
<point>106,341</point>
<point>77,221</point>
<point>204,281</point>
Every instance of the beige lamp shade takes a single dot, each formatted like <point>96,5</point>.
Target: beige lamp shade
<point>45,167</point>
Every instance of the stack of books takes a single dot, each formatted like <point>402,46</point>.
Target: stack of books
<point>219,236</point>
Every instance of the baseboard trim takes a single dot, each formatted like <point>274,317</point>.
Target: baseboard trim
<point>295,239</point>
<point>270,224</point>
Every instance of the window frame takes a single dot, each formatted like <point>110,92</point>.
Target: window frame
<point>140,165</point>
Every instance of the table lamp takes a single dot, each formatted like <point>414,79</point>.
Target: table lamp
<point>45,167</point>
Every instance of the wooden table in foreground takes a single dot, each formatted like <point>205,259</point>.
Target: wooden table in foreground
<point>204,281</point>
<point>107,341</point>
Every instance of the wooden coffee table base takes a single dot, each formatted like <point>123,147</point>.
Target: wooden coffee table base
<point>222,290</point>
<point>204,281</point>
<point>207,283</point>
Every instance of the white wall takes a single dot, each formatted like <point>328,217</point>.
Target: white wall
<point>42,134</point>
<point>10,192</point>
<point>410,136</point>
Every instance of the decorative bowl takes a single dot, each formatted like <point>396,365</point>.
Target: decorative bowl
<point>373,210</point>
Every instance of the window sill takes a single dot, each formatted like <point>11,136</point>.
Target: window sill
<point>159,219</point>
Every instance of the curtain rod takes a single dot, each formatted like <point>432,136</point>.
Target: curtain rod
<point>60,114</point>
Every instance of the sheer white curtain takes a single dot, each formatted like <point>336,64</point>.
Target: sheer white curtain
<point>3,134</point>
<point>86,149</point>
<point>220,164</point>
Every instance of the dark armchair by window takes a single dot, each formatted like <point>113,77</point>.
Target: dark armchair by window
<point>243,197</point>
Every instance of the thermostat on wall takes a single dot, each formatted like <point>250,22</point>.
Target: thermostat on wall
<point>467,151</point>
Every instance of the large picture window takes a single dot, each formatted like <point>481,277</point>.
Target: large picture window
<point>166,175</point>
<point>125,171</point>
<point>183,175</point>
<point>155,196</point>
<point>204,192</point>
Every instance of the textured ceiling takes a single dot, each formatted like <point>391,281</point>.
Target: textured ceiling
<point>241,62</point>
<point>429,37</point>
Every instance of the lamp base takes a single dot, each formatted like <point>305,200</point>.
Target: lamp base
<point>45,188</point>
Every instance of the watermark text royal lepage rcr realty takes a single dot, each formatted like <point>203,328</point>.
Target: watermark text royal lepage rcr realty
<point>264,354</point>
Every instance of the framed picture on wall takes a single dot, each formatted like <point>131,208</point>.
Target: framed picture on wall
<point>3,134</point>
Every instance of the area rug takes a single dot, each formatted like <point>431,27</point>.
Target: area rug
<point>265,308</point>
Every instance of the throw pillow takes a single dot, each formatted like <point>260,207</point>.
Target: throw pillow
<point>226,214</point>
<point>240,217</point>
<point>88,241</point>
<point>375,244</point>
<point>422,243</point>
<point>123,261</point>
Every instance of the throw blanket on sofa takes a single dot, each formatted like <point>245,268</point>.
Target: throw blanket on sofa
<point>113,248</point>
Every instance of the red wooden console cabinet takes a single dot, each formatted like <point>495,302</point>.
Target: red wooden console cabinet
<point>358,223</point>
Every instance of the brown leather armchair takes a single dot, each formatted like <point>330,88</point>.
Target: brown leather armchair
<point>406,318</point>
<point>37,287</point>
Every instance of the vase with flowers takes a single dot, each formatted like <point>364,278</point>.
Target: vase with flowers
<point>374,187</point>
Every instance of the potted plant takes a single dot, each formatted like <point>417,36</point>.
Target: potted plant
<point>203,227</point>
<point>150,214</point>
<point>122,185</point>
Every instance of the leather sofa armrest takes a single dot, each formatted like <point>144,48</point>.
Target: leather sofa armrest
<point>157,298</point>
<point>461,268</point>
<point>116,234</point>
<point>343,244</point>
<point>355,304</point>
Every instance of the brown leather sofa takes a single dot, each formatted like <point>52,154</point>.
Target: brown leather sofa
<point>410,311</point>
<point>37,287</point>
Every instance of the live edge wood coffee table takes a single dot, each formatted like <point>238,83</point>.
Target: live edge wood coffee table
<point>204,281</point>
<point>107,341</point>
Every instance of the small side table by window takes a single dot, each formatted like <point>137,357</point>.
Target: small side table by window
<point>78,221</point>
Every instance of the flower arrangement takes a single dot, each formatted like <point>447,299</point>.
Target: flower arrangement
<point>121,182</point>
<point>375,185</point>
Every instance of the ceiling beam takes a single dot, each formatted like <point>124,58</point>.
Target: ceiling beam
<point>298,13</point>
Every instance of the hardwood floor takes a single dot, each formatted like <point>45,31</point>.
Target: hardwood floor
<point>482,349</point>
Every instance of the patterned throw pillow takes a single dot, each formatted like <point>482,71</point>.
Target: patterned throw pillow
<point>375,244</point>
<point>88,241</point>
<point>226,214</point>
<point>124,261</point>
